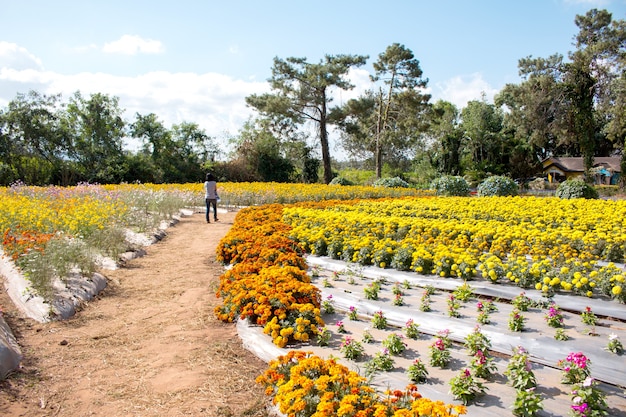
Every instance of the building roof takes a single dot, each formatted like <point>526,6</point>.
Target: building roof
<point>576,164</point>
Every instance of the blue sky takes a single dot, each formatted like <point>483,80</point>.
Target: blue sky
<point>196,61</point>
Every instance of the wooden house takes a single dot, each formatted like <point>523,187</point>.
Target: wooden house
<point>606,170</point>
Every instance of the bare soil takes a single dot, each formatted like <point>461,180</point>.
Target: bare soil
<point>149,345</point>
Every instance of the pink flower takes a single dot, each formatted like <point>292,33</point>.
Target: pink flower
<point>582,409</point>
<point>439,344</point>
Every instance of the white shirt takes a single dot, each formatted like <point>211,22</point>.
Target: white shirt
<point>210,190</point>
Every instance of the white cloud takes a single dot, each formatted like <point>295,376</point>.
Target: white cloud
<point>16,57</point>
<point>132,45</point>
<point>461,89</point>
<point>216,102</point>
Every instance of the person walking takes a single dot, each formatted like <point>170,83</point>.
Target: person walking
<point>210,196</point>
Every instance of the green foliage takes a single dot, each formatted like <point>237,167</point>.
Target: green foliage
<point>56,261</point>
<point>497,185</point>
<point>358,176</point>
<point>391,182</point>
<point>450,185</point>
<point>576,189</point>
<point>340,181</point>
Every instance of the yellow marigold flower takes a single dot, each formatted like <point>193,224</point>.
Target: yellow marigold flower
<point>616,290</point>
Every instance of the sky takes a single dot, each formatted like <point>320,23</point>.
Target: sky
<point>196,61</point>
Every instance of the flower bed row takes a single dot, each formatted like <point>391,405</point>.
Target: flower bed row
<point>549,244</point>
<point>268,285</point>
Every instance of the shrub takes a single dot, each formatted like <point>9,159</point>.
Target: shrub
<point>391,182</point>
<point>497,185</point>
<point>450,185</point>
<point>341,181</point>
<point>576,189</point>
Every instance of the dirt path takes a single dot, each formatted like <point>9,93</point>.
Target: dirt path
<point>148,346</point>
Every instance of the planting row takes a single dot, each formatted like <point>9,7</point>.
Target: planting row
<point>544,243</point>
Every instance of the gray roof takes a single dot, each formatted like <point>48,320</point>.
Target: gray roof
<point>576,164</point>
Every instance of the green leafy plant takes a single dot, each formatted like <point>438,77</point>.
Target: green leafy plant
<point>497,185</point>
<point>367,336</point>
<point>353,313</point>
<point>463,292</point>
<point>519,371</point>
<point>381,362</point>
<point>483,313</point>
<point>589,318</point>
<point>379,321</point>
<point>576,189</point>
<point>417,371</point>
<point>465,386</point>
<point>482,365</point>
<point>323,336</point>
<point>328,305</point>
<point>395,344</point>
<point>527,403</point>
<point>372,290</point>
<point>522,302</point>
<point>588,400</point>
<point>340,327</point>
<point>411,329</point>
<point>554,316</point>
<point>340,181</point>
<point>476,341</point>
<point>425,302</point>
<point>352,349</point>
<point>453,306</point>
<point>450,185</point>
<point>559,334</point>
<point>398,300</point>
<point>516,321</point>
<point>439,353</point>
<point>615,345</point>
<point>391,182</point>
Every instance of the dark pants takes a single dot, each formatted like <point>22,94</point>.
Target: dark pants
<point>211,202</point>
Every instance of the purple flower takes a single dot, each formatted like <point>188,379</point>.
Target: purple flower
<point>582,409</point>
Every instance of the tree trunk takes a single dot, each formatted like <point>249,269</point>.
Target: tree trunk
<point>379,160</point>
<point>328,173</point>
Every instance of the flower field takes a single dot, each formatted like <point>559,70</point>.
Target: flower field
<point>48,231</point>
<point>544,243</point>
<point>556,247</point>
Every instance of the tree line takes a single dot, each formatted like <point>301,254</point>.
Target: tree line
<point>561,107</point>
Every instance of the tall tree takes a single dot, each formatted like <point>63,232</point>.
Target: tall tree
<point>97,130</point>
<point>446,138</point>
<point>600,62</point>
<point>34,146</point>
<point>401,102</point>
<point>534,106</point>
<point>261,153</point>
<point>388,120</point>
<point>303,93</point>
<point>485,149</point>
